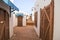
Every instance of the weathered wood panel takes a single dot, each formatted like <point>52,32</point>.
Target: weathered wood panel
<point>20,20</point>
<point>46,22</point>
<point>4,25</point>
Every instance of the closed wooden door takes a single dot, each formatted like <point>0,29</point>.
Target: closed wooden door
<point>46,22</point>
<point>4,24</point>
<point>20,20</point>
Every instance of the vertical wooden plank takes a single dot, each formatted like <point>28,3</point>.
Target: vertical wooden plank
<point>51,20</point>
<point>1,24</point>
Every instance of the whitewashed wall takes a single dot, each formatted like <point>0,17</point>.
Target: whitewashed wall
<point>33,11</point>
<point>24,20</point>
<point>56,20</point>
<point>10,26</point>
<point>12,23</point>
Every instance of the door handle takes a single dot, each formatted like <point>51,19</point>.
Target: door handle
<point>1,22</point>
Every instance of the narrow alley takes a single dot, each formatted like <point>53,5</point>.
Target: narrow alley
<point>25,33</point>
<point>29,20</point>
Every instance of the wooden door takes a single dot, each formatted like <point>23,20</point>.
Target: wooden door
<point>35,18</point>
<point>6,25</point>
<point>20,20</point>
<point>46,22</point>
<point>4,21</point>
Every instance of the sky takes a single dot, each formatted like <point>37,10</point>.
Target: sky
<point>24,5</point>
<point>12,1</point>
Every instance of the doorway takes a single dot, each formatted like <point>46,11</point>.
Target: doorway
<point>4,25</point>
<point>20,20</point>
